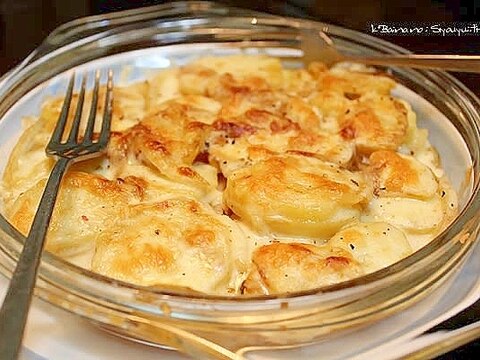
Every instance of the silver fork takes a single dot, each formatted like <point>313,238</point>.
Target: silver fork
<point>14,312</point>
<point>317,46</point>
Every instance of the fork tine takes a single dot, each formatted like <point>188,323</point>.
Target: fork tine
<point>72,138</point>
<point>88,137</point>
<point>62,120</point>
<point>14,311</point>
<point>107,113</point>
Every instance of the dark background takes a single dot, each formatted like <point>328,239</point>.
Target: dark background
<point>24,23</point>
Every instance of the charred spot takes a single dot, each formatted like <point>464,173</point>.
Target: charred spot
<point>221,181</point>
<point>138,183</point>
<point>352,95</point>
<point>202,157</point>
<point>354,182</point>
<point>243,288</point>
<point>196,125</point>
<point>186,171</point>
<point>84,218</point>
<point>231,214</point>
<point>227,211</point>
<point>157,146</point>
<point>337,261</point>
<point>348,132</point>
<point>286,125</point>
<point>352,246</point>
<point>303,153</point>
<point>259,116</point>
<point>377,190</point>
<point>233,130</point>
<point>157,232</point>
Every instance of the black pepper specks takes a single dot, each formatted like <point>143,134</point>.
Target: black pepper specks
<point>352,246</point>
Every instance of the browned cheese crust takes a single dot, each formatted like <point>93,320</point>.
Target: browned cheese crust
<point>233,175</point>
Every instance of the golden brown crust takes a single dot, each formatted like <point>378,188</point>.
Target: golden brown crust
<point>168,139</point>
<point>401,175</point>
<point>282,268</point>
<point>348,82</point>
<point>175,241</point>
<point>85,207</point>
<point>375,123</point>
<point>210,164</point>
<point>295,195</point>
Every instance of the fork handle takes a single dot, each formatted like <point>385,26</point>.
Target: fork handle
<point>460,63</point>
<point>14,312</point>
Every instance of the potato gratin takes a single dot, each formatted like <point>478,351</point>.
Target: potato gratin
<point>232,175</point>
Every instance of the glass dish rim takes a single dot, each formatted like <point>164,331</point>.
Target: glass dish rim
<point>442,239</point>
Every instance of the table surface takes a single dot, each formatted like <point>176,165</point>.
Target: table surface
<point>23,25</point>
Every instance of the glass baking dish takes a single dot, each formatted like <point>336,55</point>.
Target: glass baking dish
<point>161,36</point>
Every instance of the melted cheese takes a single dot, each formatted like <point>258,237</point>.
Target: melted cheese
<point>282,268</point>
<point>176,241</point>
<point>232,175</point>
<point>401,175</point>
<point>295,195</point>
<point>85,208</point>
<point>373,245</point>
